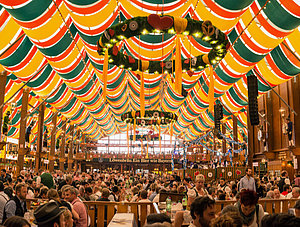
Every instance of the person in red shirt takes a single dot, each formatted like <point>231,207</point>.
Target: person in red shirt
<point>285,190</point>
<point>78,206</point>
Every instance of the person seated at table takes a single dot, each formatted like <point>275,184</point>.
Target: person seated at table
<point>49,215</point>
<point>144,199</point>
<point>202,211</point>
<point>16,221</point>
<point>165,224</point>
<point>204,204</point>
<point>198,190</point>
<point>158,218</point>
<point>68,218</point>
<point>104,198</point>
<point>229,219</point>
<point>53,196</point>
<point>280,220</point>
<point>249,209</point>
<point>297,209</point>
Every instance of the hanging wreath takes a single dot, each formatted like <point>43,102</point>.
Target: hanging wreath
<point>163,24</point>
<point>151,117</point>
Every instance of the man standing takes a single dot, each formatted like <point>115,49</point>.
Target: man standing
<point>79,207</point>
<point>17,205</point>
<point>247,181</point>
<point>202,212</point>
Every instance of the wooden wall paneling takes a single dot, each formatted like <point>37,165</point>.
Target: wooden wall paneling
<point>284,94</point>
<point>269,118</point>
<point>296,103</point>
<point>250,140</point>
<point>277,121</point>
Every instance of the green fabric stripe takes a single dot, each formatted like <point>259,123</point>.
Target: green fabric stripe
<point>18,55</point>
<point>283,63</point>
<point>30,11</point>
<point>245,53</point>
<point>224,76</point>
<point>234,4</point>
<point>279,16</point>
<point>69,106</point>
<point>42,77</point>
<point>58,95</point>
<point>77,114</point>
<point>61,45</point>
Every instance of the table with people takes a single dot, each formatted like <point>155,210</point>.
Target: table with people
<point>85,198</point>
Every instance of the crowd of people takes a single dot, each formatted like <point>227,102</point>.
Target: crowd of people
<point>65,194</point>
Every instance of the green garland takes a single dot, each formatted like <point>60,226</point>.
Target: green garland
<point>140,26</point>
<point>152,117</point>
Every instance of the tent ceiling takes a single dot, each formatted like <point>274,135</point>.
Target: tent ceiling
<point>60,37</point>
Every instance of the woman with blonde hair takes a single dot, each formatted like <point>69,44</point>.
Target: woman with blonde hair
<point>198,190</point>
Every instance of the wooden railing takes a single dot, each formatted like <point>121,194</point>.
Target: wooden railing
<point>270,206</point>
<point>97,212</point>
<point>96,209</point>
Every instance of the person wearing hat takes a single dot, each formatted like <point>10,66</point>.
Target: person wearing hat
<point>49,215</point>
<point>297,208</point>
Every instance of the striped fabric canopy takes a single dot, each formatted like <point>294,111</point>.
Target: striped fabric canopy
<point>56,40</point>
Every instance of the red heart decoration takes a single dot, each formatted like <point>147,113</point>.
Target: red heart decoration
<point>187,61</point>
<point>160,23</point>
<point>115,50</point>
<point>162,64</point>
<point>227,45</point>
<point>196,173</point>
<point>131,59</point>
<point>111,32</point>
<point>190,73</point>
<point>238,172</point>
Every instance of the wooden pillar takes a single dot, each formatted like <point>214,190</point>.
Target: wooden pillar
<point>62,147</point>
<point>235,132</point>
<point>39,146</point>
<point>251,137</point>
<point>22,130</point>
<point>223,140</point>
<point>70,154</point>
<point>269,118</point>
<point>53,140</point>
<point>3,77</point>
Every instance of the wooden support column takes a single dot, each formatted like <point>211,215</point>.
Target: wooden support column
<point>39,146</point>
<point>235,137</point>
<point>21,151</point>
<point>62,157</point>
<point>70,154</point>
<point>223,140</point>
<point>3,77</point>
<point>52,146</point>
<point>251,144</point>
